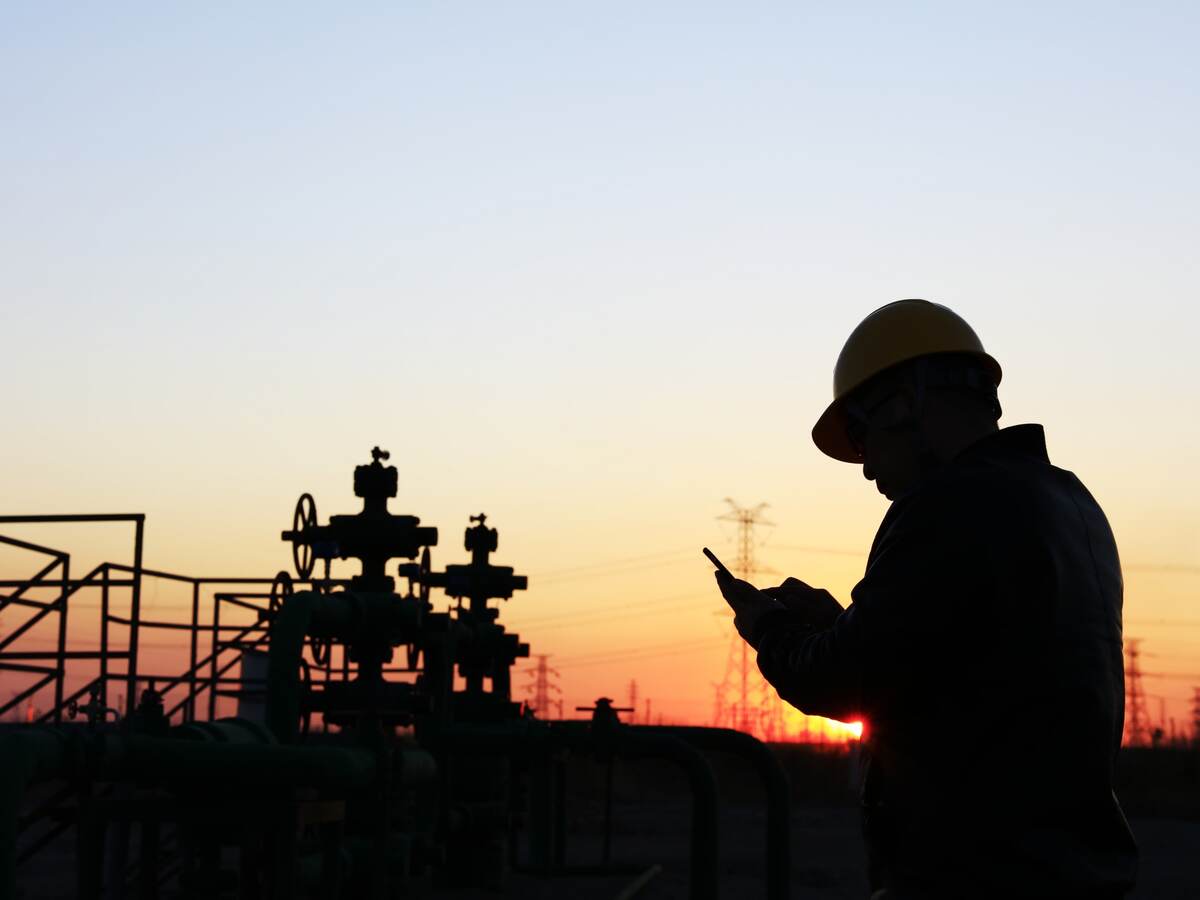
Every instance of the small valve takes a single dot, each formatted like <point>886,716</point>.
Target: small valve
<point>95,711</point>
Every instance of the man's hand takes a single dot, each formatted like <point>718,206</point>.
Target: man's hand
<point>748,603</point>
<point>814,606</point>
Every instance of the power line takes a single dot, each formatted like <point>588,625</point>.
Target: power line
<point>674,609</point>
<point>617,654</point>
<point>825,551</point>
<point>617,562</point>
<point>637,657</point>
<point>609,563</point>
<point>612,571</point>
<point>637,604</point>
<point>1169,568</point>
<point>1164,568</point>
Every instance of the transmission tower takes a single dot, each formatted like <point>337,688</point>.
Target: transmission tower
<point>743,700</point>
<point>1137,726</point>
<point>541,687</point>
<point>633,699</point>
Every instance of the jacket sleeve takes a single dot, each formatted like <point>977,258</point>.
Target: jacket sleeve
<point>885,645</point>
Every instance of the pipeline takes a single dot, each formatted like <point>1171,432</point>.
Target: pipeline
<point>225,731</point>
<point>703,870</point>
<point>284,652</point>
<point>775,787</point>
<point>26,757</point>
<point>306,613</point>
<point>623,741</point>
<point>233,765</point>
<point>234,754</point>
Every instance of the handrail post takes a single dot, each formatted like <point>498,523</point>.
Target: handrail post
<point>194,638</point>
<point>60,676</point>
<point>135,612</point>
<point>216,637</point>
<point>104,612</point>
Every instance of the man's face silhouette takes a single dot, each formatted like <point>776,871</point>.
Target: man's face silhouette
<point>883,428</point>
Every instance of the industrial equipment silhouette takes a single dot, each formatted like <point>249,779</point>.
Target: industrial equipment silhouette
<point>743,698</point>
<point>424,774</point>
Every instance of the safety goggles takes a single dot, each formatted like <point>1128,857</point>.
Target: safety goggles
<point>861,420</point>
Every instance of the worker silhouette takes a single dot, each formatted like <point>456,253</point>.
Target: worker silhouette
<point>983,644</point>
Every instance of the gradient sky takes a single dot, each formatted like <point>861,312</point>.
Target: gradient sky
<point>588,270</point>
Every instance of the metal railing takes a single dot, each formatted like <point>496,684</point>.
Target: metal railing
<point>39,661</point>
<point>216,634</point>
<point>213,647</point>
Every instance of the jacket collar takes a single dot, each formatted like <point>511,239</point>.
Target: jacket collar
<point>1016,440</point>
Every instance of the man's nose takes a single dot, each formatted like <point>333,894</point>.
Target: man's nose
<point>868,471</point>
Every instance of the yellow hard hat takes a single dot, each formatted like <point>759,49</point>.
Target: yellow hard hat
<point>895,333</point>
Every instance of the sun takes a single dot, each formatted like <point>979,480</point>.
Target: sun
<point>818,730</point>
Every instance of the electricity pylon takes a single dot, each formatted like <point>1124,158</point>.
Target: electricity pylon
<point>1137,727</point>
<point>541,687</point>
<point>743,700</point>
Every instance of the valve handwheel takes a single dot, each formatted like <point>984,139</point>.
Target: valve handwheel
<point>304,519</point>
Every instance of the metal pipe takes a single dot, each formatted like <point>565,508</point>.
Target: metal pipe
<point>76,517</point>
<point>216,637</point>
<point>104,612</point>
<point>35,581</point>
<point>49,607</point>
<point>284,653</point>
<point>184,626</point>
<point>135,611</point>
<point>26,756</point>
<point>247,765</point>
<point>624,741</point>
<point>6,666</point>
<point>210,579</point>
<point>70,584</point>
<point>775,787</point>
<point>193,640</point>
<point>62,643</point>
<point>26,545</point>
<point>57,657</point>
<point>286,648</point>
<point>225,731</point>
<point>703,870</point>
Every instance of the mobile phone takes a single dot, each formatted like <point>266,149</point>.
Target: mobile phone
<point>712,557</point>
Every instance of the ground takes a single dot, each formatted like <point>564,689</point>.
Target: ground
<point>652,813</point>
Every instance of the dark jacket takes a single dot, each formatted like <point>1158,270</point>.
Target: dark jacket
<point>983,649</point>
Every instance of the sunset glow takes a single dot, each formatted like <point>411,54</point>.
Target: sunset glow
<point>591,304</point>
<point>814,729</point>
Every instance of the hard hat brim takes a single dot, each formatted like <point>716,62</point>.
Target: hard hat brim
<point>831,436</point>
